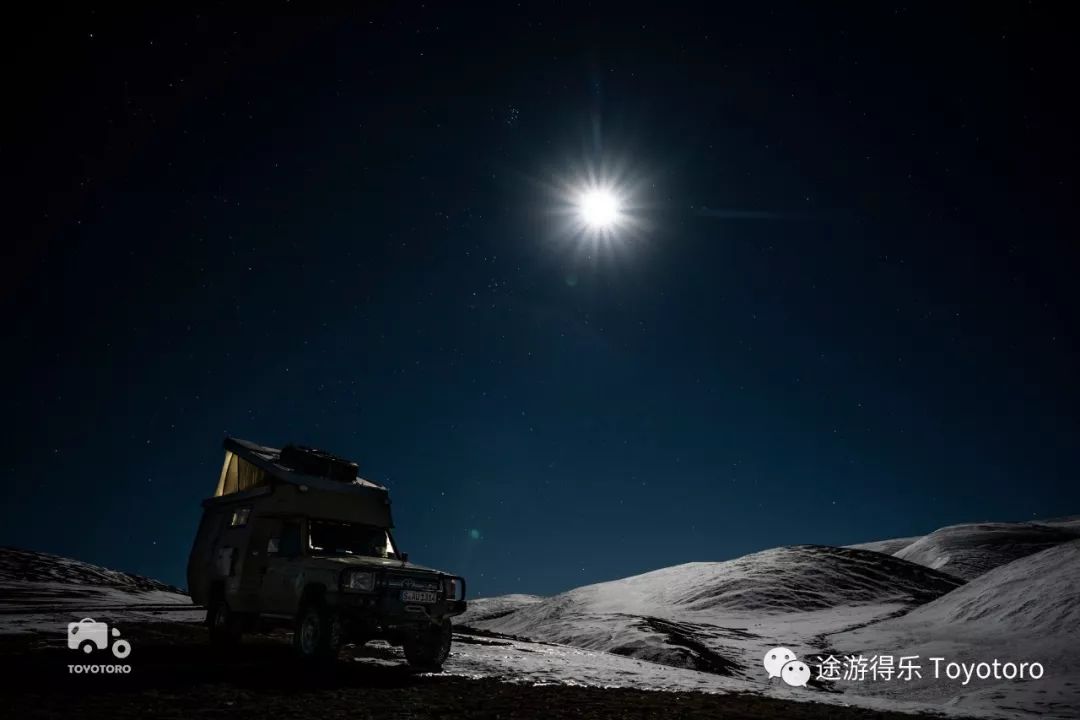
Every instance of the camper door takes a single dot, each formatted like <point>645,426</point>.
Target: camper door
<point>256,559</point>
<point>283,569</point>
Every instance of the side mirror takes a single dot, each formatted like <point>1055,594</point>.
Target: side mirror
<point>404,556</point>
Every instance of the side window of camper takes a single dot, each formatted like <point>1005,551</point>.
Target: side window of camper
<point>240,517</point>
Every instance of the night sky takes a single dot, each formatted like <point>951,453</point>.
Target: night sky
<point>845,306</point>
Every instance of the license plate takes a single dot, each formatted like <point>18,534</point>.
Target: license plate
<point>417,596</point>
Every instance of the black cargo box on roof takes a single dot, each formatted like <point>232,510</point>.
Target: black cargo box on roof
<point>319,463</point>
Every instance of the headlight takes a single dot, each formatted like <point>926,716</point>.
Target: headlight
<point>450,588</point>
<point>358,581</point>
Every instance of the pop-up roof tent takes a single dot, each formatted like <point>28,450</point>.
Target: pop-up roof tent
<point>317,483</point>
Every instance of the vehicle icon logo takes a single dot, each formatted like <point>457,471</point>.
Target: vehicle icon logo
<point>89,635</point>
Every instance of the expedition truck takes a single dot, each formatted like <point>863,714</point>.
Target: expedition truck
<point>294,537</point>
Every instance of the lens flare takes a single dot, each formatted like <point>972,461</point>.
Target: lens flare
<point>599,208</point>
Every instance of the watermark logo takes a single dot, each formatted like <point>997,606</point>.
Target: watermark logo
<point>782,663</point>
<point>88,636</point>
<point>907,668</point>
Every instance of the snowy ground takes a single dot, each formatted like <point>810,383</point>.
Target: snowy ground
<point>554,664</point>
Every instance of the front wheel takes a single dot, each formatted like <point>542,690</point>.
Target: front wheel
<point>317,635</point>
<point>428,649</point>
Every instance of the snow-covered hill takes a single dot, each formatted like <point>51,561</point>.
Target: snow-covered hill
<point>1036,595</point>
<point>1024,611</point>
<point>788,579</point>
<point>888,547</point>
<point>43,592</point>
<point>720,617</point>
<point>495,607</point>
<point>968,551</point>
<point>29,566</point>
<point>1069,521</point>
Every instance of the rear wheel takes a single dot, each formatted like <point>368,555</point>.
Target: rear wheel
<point>428,649</point>
<point>317,634</point>
<point>225,625</point>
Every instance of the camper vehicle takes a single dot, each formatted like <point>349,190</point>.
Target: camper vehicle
<point>295,537</point>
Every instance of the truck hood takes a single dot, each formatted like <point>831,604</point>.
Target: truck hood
<point>340,561</point>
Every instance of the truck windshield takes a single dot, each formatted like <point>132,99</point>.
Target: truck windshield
<point>334,538</point>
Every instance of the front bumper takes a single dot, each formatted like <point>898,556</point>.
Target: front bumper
<point>390,605</point>
<point>373,617</point>
<point>384,610</point>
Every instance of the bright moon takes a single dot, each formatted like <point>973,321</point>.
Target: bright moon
<point>599,209</point>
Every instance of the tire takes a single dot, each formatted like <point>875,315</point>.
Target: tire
<point>428,649</point>
<point>317,633</point>
<point>225,626</point>
<point>87,646</point>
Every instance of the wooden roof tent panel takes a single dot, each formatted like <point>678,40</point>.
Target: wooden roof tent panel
<point>251,471</point>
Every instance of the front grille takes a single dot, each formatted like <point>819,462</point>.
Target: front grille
<point>410,582</point>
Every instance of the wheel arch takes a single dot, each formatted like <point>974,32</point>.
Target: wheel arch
<point>314,592</point>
